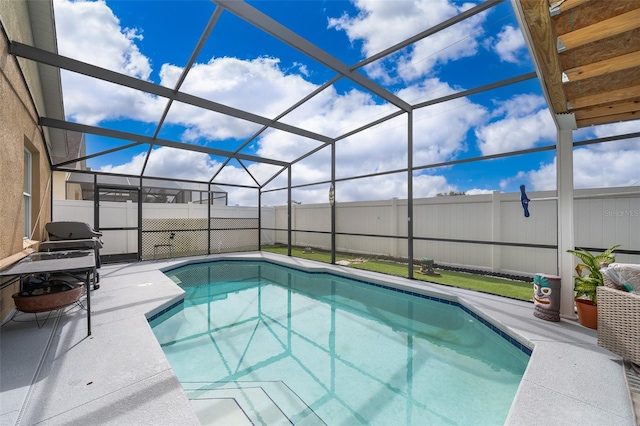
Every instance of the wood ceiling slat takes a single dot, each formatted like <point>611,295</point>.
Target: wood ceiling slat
<point>603,29</point>
<point>606,97</point>
<point>614,109</point>
<point>592,12</point>
<point>595,69</point>
<point>561,6</point>
<point>601,50</point>
<point>601,84</point>
<point>608,119</point>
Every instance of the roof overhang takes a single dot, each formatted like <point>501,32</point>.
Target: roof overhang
<point>587,56</point>
<point>44,37</point>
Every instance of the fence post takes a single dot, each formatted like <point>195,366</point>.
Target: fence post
<point>293,224</point>
<point>394,228</point>
<point>129,222</point>
<point>496,250</point>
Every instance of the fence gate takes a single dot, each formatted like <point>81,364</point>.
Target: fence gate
<point>121,232</point>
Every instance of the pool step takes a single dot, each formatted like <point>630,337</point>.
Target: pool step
<point>240,403</point>
<point>219,411</point>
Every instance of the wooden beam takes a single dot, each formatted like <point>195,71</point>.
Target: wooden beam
<point>613,109</point>
<point>543,38</point>
<point>562,6</point>
<point>608,119</point>
<point>608,66</point>
<point>606,97</point>
<point>601,30</point>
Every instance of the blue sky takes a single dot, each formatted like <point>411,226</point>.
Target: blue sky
<point>242,67</point>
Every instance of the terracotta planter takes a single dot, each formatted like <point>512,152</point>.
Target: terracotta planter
<point>587,313</point>
<point>48,298</point>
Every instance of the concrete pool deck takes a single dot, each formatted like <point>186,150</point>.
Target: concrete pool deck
<point>119,376</point>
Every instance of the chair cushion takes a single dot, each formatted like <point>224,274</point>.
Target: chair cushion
<point>622,276</point>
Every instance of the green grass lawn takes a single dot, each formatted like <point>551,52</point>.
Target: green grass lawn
<point>499,286</point>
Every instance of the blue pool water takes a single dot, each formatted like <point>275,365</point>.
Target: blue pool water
<point>316,348</point>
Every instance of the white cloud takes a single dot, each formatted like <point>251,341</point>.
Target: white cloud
<point>613,129</point>
<point>520,105</point>
<point>609,164</point>
<point>478,191</point>
<point>90,101</point>
<point>431,185</point>
<point>333,114</point>
<point>390,186</point>
<point>382,147</point>
<point>433,141</point>
<point>617,129</point>
<point>459,41</point>
<point>506,183</point>
<point>169,162</point>
<point>133,167</point>
<point>192,165</point>
<point>202,125</point>
<point>592,169</point>
<point>542,179</point>
<point>284,146</point>
<point>375,188</point>
<point>526,122</point>
<point>259,86</point>
<point>262,86</point>
<point>302,68</point>
<point>89,31</point>
<point>510,45</point>
<point>404,19</point>
<point>604,165</point>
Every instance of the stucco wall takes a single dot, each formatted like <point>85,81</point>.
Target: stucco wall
<point>19,129</point>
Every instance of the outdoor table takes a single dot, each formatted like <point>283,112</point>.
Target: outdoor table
<point>70,261</point>
<point>82,244</point>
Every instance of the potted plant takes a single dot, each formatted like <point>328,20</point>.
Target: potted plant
<point>587,281</point>
<point>49,296</point>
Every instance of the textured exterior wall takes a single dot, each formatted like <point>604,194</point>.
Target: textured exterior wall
<point>19,129</point>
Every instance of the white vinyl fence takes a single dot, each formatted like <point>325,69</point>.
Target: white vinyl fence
<point>188,221</point>
<point>486,232</point>
<point>460,230</point>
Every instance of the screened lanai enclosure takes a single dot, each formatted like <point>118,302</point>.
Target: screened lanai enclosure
<point>486,135</point>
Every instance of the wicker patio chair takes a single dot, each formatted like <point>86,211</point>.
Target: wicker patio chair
<point>619,321</point>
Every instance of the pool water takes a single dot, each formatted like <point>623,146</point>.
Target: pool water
<point>316,348</point>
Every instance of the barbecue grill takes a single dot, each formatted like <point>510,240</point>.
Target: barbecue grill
<point>73,236</point>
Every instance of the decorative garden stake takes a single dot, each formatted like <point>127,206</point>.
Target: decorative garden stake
<point>426,267</point>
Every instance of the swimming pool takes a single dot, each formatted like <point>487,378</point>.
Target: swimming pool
<point>317,348</point>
